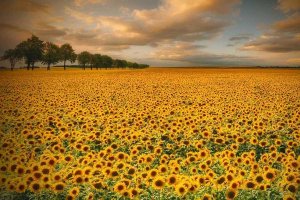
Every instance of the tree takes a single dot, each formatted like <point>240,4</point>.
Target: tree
<point>120,63</point>
<point>97,61</point>
<point>51,54</point>
<point>123,64</point>
<point>107,61</point>
<point>84,58</point>
<point>31,50</point>
<point>133,65</point>
<point>67,54</point>
<point>13,55</point>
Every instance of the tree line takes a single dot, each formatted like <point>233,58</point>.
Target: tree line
<point>34,50</point>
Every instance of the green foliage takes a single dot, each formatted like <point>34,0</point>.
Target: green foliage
<point>84,58</point>
<point>245,147</point>
<point>259,151</point>
<point>97,61</point>
<point>32,50</point>
<point>107,61</point>
<point>120,63</point>
<point>67,53</point>
<point>218,169</point>
<point>51,54</point>
<point>13,55</point>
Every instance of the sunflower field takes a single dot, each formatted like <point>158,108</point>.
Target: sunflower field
<point>150,134</point>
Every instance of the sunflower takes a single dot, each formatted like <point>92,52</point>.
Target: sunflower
<point>193,170</point>
<point>230,194</point>
<point>35,187</point>
<point>21,187</point>
<point>56,177</point>
<point>126,193</point>
<point>37,175</point>
<point>69,197</point>
<point>207,197</point>
<point>234,184</point>
<point>20,170</point>
<point>74,192</point>
<point>78,179</point>
<point>131,171</point>
<point>114,173</point>
<point>269,175</point>
<point>120,187</point>
<point>119,165</point>
<point>45,170</point>
<point>153,173</point>
<point>163,168</point>
<point>133,193</point>
<point>203,166</point>
<point>249,184</point>
<point>220,180</point>
<point>90,196</point>
<point>158,183</point>
<point>291,188</point>
<point>259,179</point>
<point>121,156</point>
<point>289,197</point>
<point>181,189</point>
<point>171,180</point>
<point>58,187</point>
<point>229,178</point>
<point>98,184</point>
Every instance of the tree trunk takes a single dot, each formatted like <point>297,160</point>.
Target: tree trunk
<point>28,65</point>
<point>64,65</point>
<point>11,66</point>
<point>32,66</point>
<point>48,68</point>
<point>83,66</point>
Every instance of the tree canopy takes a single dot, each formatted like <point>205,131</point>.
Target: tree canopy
<point>67,54</point>
<point>13,55</point>
<point>51,54</point>
<point>84,58</point>
<point>32,50</point>
<point>35,50</point>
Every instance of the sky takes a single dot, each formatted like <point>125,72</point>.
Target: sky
<point>162,32</point>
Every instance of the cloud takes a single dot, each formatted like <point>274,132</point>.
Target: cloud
<point>293,61</point>
<point>192,54</point>
<point>289,5</point>
<point>86,2</point>
<point>239,38</point>
<point>49,32</point>
<point>274,43</point>
<point>283,36</point>
<point>24,6</point>
<point>11,27</point>
<point>11,35</point>
<point>288,25</point>
<point>174,20</point>
<point>79,15</point>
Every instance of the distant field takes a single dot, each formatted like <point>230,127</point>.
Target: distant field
<point>157,133</point>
